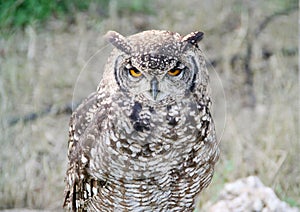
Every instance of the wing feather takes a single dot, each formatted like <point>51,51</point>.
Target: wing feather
<point>76,191</point>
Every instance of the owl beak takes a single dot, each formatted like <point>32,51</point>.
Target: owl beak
<point>154,88</point>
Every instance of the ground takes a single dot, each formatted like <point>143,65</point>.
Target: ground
<point>45,70</point>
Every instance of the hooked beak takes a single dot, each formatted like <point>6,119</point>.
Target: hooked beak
<point>154,88</point>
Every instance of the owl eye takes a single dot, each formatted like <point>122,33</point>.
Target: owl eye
<point>174,72</point>
<point>134,72</point>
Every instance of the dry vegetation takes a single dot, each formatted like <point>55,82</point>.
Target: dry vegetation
<point>40,68</point>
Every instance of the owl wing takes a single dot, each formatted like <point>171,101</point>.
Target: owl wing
<point>76,176</point>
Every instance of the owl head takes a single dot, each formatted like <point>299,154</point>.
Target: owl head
<point>157,66</point>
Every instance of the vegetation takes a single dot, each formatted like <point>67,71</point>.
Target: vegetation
<point>21,13</point>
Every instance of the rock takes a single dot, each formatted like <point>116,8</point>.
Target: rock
<point>248,194</point>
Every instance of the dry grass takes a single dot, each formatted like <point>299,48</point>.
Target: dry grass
<point>40,67</point>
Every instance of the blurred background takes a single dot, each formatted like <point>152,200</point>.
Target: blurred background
<point>52,55</point>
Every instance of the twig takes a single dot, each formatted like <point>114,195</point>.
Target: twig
<point>53,110</point>
<point>269,19</point>
<point>252,35</point>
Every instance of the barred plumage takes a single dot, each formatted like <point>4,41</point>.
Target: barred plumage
<point>145,140</point>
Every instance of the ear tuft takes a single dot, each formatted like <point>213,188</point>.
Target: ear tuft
<point>118,41</point>
<point>192,39</point>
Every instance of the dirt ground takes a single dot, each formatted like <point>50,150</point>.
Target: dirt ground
<point>252,51</point>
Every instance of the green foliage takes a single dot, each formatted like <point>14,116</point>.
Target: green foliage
<point>134,6</point>
<point>20,13</point>
<point>281,193</point>
<point>292,202</point>
<point>286,3</point>
<point>270,6</point>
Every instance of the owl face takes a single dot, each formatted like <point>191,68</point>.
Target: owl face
<point>156,66</point>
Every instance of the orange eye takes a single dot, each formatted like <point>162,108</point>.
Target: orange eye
<point>174,72</point>
<point>134,72</point>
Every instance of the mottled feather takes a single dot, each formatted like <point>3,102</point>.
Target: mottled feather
<point>144,142</point>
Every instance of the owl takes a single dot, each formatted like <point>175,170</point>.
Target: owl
<point>145,139</point>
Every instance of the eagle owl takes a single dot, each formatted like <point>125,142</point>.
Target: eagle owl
<point>145,139</point>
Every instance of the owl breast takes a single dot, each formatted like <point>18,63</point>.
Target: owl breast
<point>151,152</point>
